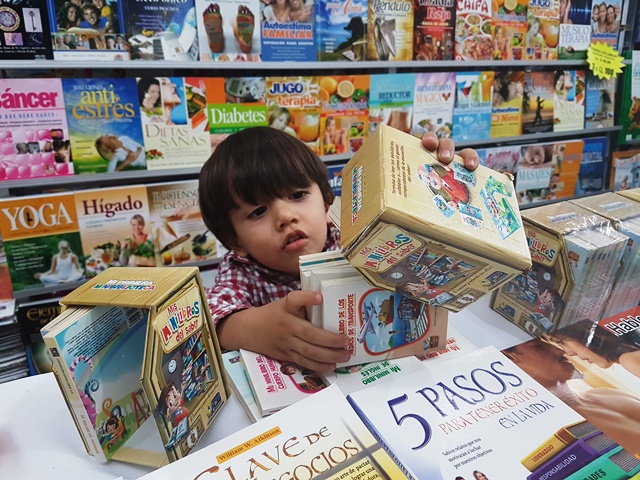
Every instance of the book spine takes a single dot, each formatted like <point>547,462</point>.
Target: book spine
<point>544,452</point>
<point>618,464</point>
<point>74,402</point>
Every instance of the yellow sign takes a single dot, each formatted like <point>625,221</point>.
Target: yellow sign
<point>604,61</point>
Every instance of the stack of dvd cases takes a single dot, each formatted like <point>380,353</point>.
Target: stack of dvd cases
<point>13,358</point>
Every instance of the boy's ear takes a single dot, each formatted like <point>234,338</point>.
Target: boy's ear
<point>239,250</point>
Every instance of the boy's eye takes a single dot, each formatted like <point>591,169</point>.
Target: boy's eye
<point>258,212</point>
<point>298,195</point>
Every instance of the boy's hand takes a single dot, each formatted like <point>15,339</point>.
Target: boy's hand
<point>446,150</point>
<point>280,331</point>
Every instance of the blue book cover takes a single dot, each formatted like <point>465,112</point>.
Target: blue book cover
<point>103,115</point>
<point>391,101</point>
<point>591,178</point>
<point>335,178</point>
<point>288,31</point>
<point>599,101</point>
<point>341,29</point>
<point>472,106</point>
<point>162,30</point>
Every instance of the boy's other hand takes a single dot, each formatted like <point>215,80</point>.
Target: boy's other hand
<point>446,149</point>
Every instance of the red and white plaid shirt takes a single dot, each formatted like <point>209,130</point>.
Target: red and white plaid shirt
<point>243,283</point>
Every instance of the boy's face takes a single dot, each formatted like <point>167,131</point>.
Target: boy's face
<point>277,233</point>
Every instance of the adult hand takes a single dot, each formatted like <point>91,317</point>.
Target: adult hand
<point>445,148</point>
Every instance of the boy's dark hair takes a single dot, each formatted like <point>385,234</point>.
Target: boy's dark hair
<point>255,165</point>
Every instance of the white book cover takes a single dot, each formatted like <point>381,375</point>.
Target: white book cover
<point>433,102</point>
<point>319,434</point>
<point>276,384</point>
<point>457,345</point>
<point>240,384</point>
<point>475,413</point>
<point>380,324</point>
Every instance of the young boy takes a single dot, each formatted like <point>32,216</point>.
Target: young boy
<point>265,196</point>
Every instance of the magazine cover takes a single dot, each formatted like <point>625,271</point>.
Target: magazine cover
<point>175,127</point>
<point>25,30</point>
<point>630,101</point>
<point>479,416</point>
<point>605,22</point>
<point>104,124</point>
<point>390,30</point>
<point>235,103</point>
<point>502,159</point>
<point>593,368</point>
<point>434,29</point>
<point>473,30</point>
<point>178,232</point>
<point>34,136</point>
<point>506,104</point>
<point>599,101</point>
<point>294,105</point>
<point>344,114</point>
<point>575,29</point>
<point>341,30</point>
<point>433,102</point>
<point>162,30</point>
<point>32,317</point>
<point>93,31</point>
<point>543,30</point>
<point>509,29</point>
<point>537,102</point>
<point>42,240</point>
<point>391,101</point>
<point>288,31</point>
<point>591,178</point>
<point>472,106</point>
<point>318,434</point>
<point>115,228</point>
<point>228,30</point>
<point>568,100</point>
<point>625,169</point>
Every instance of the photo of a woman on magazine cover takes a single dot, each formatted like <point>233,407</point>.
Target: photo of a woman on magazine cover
<point>65,267</point>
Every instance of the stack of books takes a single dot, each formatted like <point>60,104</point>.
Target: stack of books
<point>13,359</point>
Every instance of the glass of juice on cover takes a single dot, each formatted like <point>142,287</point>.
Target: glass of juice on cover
<point>213,26</point>
<point>308,126</point>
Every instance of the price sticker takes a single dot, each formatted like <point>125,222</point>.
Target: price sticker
<point>604,61</point>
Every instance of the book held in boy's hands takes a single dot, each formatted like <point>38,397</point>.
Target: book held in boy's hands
<point>474,413</point>
<point>131,343</point>
<point>463,241</point>
<point>318,437</point>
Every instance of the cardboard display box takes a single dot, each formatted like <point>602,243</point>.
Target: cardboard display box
<point>633,194</point>
<point>574,253</point>
<point>136,342</point>
<point>440,234</point>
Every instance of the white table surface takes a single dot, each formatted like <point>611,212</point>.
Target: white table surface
<point>38,439</point>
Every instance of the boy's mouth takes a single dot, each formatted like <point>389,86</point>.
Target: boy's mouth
<point>294,240</point>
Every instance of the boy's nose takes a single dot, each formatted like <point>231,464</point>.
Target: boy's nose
<point>285,213</point>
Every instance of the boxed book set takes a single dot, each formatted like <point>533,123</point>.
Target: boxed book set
<point>132,343</point>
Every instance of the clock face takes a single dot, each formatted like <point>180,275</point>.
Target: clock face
<point>172,366</point>
<point>397,275</point>
<point>9,19</point>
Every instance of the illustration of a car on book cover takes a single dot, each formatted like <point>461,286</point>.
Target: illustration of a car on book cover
<point>389,321</point>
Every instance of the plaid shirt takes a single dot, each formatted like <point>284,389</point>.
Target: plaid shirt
<point>243,283</point>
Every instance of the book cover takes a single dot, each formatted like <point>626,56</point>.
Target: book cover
<point>390,30</point>
<point>472,106</point>
<point>599,101</point>
<point>177,229</point>
<point>434,29</point>
<point>575,29</point>
<point>34,134</point>
<point>457,345</point>
<point>509,29</point>
<point>42,240</point>
<point>91,31</point>
<point>228,30</point>
<point>344,114</point>
<point>114,228</point>
<point>288,31</point>
<point>583,364</point>
<point>26,31</point>
<point>32,317</point>
<point>294,105</point>
<point>506,104</point>
<point>6,289</point>
<point>391,101</point>
<point>341,30</point>
<point>335,178</point>
<point>568,100</point>
<point>625,169</point>
<point>630,101</point>
<point>537,102</point>
<point>605,22</point>
<point>275,384</point>
<point>104,124</point>
<point>591,178</point>
<point>473,30</point>
<point>477,413</point>
<point>237,375</point>
<point>162,30</point>
<point>502,159</point>
<point>433,102</point>
<point>543,30</point>
<point>318,434</point>
<point>380,324</point>
<point>175,127</point>
<point>235,103</point>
